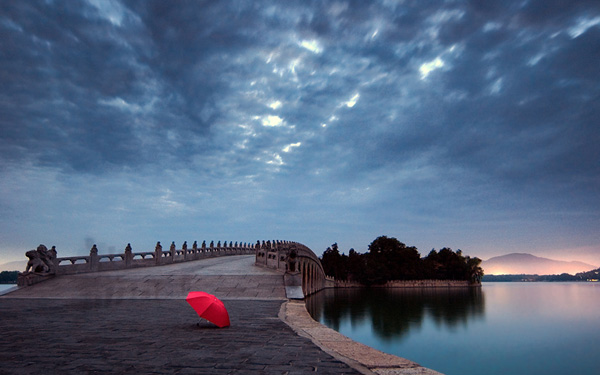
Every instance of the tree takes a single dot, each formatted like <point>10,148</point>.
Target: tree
<point>356,266</point>
<point>384,245</point>
<point>453,265</point>
<point>335,264</point>
<point>330,259</point>
<point>432,266</point>
<point>394,259</point>
<point>474,271</point>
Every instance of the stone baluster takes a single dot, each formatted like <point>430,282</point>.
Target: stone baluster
<point>94,258</point>
<point>53,259</point>
<point>172,250</point>
<point>128,256</point>
<point>195,250</point>
<point>158,252</point>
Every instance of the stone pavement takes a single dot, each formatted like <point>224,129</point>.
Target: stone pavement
<point>229,277</point>
<point>100,336</point>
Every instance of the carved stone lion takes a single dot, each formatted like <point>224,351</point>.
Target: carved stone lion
<point>41,260</point>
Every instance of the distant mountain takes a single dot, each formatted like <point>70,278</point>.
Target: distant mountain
<point>519,263</point>
<point>18,265</point>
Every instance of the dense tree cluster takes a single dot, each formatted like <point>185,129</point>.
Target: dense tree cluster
<point>8,277</point>
<point>389,259</point>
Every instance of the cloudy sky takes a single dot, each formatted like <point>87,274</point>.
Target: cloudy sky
<point>468,124</point>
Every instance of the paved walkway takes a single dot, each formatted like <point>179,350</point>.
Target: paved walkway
<point>229,277</point>
<point>66,336</point>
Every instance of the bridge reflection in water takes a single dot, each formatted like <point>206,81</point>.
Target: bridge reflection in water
<point>394,312</point>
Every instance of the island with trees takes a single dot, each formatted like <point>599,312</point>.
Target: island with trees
<point>8,277</point>
<point>388,259</point>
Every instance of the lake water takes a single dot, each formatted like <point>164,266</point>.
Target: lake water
<point>5,287</point>
<point>501,328</point>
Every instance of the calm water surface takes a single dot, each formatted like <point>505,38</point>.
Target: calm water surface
<point>6,286</point>
<point>501,328</point>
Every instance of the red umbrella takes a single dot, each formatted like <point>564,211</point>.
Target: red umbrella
<point>209,307</point>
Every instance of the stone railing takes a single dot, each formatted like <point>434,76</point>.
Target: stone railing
<point>285,255</point>
<point>128,259</point>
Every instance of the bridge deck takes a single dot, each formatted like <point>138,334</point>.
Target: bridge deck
<point>228,277</point>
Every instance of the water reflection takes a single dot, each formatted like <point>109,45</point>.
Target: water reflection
<point>394,312</point>
<point>518,328</point>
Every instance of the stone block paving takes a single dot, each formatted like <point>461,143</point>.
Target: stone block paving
<point>99,285</point>
<point>152,336</point>
<point>227,277</point>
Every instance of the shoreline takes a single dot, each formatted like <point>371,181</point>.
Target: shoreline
<point>361,357</point>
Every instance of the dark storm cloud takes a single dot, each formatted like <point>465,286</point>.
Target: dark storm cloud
<point>56,68</point>
<point>88,92</point>
<point>120,85</point>
<point>421,108</point>
<point>524,106</point>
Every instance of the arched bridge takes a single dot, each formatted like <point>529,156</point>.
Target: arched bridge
<point>302,271</point>
<point>301,265</point>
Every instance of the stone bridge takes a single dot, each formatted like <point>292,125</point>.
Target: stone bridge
<point>300,267</point>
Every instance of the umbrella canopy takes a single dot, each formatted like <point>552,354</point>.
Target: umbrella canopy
<point>209,307</point>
